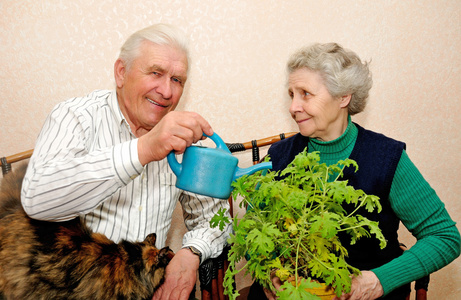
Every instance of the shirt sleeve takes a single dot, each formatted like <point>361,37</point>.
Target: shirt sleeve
<point>424,215</point>
<point>64,178</point>
<point>198,211</point>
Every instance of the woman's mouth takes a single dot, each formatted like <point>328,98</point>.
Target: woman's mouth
<point>302,120</point>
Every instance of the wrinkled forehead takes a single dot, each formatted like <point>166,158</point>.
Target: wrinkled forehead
<point>304,76</point>
<point>168,58</point>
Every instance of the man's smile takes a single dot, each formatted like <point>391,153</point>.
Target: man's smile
<point>156,103</point>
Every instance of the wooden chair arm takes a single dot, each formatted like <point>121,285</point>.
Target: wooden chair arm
<point>236,147</point>
<point>18,157</point>
<point>5,162</point>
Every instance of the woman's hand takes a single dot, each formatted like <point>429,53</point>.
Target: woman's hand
<point>364,287</point>
<point>277,283</point>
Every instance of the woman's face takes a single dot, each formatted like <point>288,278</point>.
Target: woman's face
<point>318,114</point>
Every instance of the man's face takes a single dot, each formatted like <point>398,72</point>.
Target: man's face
<point>152,86</point>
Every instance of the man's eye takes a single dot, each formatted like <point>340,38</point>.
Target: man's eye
<point>307,93</point>
<point>174,79</point>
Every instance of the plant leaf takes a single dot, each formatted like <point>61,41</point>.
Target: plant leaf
<point>219,219</point>
<point>326,223</point>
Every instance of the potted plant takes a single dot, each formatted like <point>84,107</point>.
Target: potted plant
<point>292,224</point>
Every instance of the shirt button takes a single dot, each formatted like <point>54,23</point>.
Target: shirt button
<point>140,208</point>
<point>133,177</point>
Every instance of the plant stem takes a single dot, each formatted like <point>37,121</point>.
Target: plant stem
<point>355,210</point>
<point>297,258</point>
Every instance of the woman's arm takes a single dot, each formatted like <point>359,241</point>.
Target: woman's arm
<point>424,215</point>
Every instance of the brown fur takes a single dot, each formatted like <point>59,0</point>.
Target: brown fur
<point>65,260</point>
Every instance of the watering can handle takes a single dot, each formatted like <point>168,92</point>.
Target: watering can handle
<point>177,167</point>
<point>220,144</point>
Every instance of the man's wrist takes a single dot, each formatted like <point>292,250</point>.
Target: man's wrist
<point>194,251</point>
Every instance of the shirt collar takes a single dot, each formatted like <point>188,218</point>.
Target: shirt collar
<point>115,107</point>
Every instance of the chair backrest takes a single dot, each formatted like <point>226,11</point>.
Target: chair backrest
<point>255,144</point>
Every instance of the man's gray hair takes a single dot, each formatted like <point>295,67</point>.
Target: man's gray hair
<point>160,34</point>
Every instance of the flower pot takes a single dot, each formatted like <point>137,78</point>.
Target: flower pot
<point>324,292</point>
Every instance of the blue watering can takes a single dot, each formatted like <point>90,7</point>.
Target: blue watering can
<point>209,171</point>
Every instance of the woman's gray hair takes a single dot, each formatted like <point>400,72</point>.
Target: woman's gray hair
<point>342,70</point>
<point>160,34</point>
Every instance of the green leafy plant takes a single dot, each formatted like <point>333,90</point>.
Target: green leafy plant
<point>292,224</point>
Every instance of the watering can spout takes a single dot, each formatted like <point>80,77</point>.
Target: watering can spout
<point>250,170</point>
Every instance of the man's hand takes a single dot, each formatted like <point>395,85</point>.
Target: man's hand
<point>180,277</point>
<point>175,132</point>
<point>364,287</point>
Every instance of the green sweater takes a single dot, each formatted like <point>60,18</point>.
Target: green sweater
<point>418,207</point>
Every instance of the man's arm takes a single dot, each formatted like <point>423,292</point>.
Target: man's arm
<point>181,273</point>
<point>198,211</point>
<point>66,179</point>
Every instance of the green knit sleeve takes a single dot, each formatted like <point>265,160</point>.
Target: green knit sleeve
<point>424,215</point>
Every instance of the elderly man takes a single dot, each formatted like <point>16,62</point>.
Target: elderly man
<point>102,157</point>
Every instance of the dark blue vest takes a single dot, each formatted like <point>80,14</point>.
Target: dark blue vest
<point>377,157</point>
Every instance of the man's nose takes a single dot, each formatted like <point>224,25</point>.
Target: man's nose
<point>164,88</point>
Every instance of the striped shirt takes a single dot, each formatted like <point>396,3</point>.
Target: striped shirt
<point>85,163</point>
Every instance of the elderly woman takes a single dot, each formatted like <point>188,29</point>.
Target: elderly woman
<point>328,84</point>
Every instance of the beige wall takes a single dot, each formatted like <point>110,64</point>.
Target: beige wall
<point>54,50</point>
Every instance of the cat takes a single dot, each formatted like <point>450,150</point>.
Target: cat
<point>65,260</point>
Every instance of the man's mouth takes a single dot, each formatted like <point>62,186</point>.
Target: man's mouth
<point>156,103</point>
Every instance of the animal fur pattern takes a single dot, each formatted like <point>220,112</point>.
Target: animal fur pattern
<point>65,260</point>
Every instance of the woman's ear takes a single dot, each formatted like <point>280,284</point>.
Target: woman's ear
<point>345,100</point>
<point>119,72</point>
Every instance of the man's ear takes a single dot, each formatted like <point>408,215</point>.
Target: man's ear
<point>119,72</point>
<point>345,100</point>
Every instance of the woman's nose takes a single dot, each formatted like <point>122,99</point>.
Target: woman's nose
<point>295,105</point>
